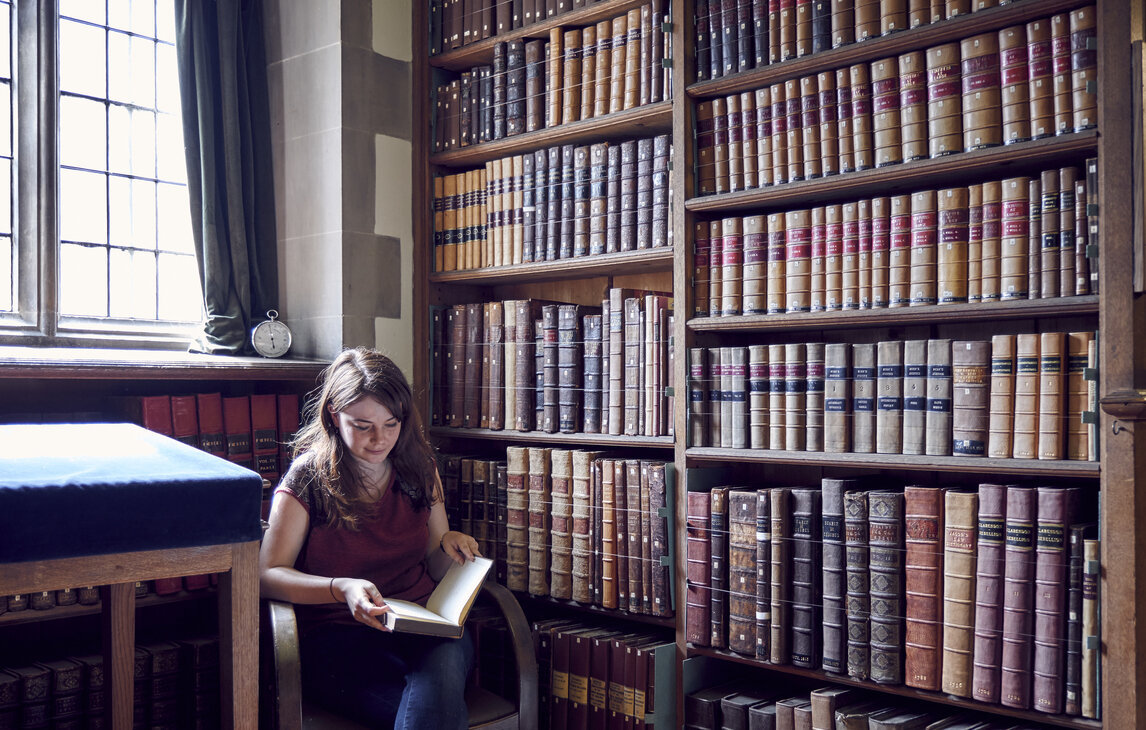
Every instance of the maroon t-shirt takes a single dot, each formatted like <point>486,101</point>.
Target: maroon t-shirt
<point>388,548</point>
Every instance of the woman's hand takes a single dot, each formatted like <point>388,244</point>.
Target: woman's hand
<point>459,547</point>
<point>363,599</point>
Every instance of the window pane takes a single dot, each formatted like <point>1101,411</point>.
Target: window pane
<point>6,40</point>
<point>137,16</point>
<point>172,157</point>
<point>6,304</point>
<point>174,219</point>
<point>165,21</point>
<point>83,133</point>
<point>83,280</point>
<point>132,213</point>
<point>132,284</point>
<point>167,74</point>
<point>82,67</point>
<point>131,70</point>
<point>83,206</point>
<point>119,139</point>
<point>5,196</point>
<point>92,11</point>
<point>143,143</point>
<point>180,297</point>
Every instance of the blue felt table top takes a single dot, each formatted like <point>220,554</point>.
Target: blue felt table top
<point>69,490</point>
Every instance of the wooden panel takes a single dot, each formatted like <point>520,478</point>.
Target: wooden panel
<point>97,570</point>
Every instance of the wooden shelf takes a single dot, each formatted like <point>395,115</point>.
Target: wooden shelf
<point>608,264</point>
<point>569,439</point>
<point>29,615</point>
<point>994,163</point>
<point>481,52</point>
<point>92,364</point>
<point>908,462</point>
<point>1038,718</point>
<point>945,31</point>
<point>933,314</point>
<point>587,608</point>
<point>642,121</point>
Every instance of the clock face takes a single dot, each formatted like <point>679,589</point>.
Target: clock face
<point>271,338</point>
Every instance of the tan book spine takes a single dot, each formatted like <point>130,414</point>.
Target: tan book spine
<point>924,245</point>
<point>716,268</point>
<point>837,398</point>
<point>561,524</point>
<point>944,101</point>
<point>867,19</point>
<point>477,253</point>
<point>1014,235</point>
<point>779,136</point>
<point>849,258</point>
<point>982,109</point>
<point>810,122</point>
<point>735,131</point>
<point>914,397</point>
<point>1084,67</point>
<point>970,391</point>
<point>617,63</point>
<point>817,298</point>
<point>582,565</point>
<point>991,249</point>
<point>705,149</point>
<point>720,143</point>
<point>1049,223</point>
<point>777,268</point>
<point>555,84</point>
<point>748,140</point>
<point>1040,78</point>
<point>880,251</point>
<point>1077,395</point>
<point>1034,239</point>
<point>1062,103</point>
<point>834,257</point>
<point>975,243</point>
<point>889,397</point>
<point>954,240</point>
<point>1091,629</point>
<point>715,396</point>
<point>863,398</point>
<point>588,71</point>
<point>1067,178</point>
<point>571,76</point>
<point>829,154</point>
<point>449,223</point>
<point>758,393</point>
<point>509,378</point>
<point>844,126</point>
<point>795,396</point>
<point>939,401</point>
<point>843,22</point>
<point>794,139</point>
<point>701,253</point>
<point>798,253</point>
<point>961,514</point>
<point>776,385</point>
<point>899,253</point>
<point>1014,76</point>
<point>439,229</point>
<point>517,519</point>
<point>814,397</point>
<point>787,30</point>
<point>764,175</point>
<point>892,16</point>
<point>1052,381</point>
<point>887,136</point>
<point>1000,428</point>
<point>609,523</point>
<point>732,267</point>
<point>632,90</point>
<point>863,146</point>
<point>1025,444</point>
<point>755,271</point>
<point>602,68</point>
<point>539,485</point>
<point>803,28</point>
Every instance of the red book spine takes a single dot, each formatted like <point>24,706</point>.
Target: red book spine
<point>185,419</point>
<point>237,429</point>
<point>923,510</point>
<point>155,411</point>
<point>211,437</point>
<point>265,434</point>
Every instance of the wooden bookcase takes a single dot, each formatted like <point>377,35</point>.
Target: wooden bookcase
<point>1117,313</point>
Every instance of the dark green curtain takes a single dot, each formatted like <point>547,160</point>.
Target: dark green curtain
<point>226,129</point>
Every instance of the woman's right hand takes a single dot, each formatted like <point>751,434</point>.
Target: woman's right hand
<point>363,599</point>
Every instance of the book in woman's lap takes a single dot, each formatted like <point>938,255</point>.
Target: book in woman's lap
<point>445,611</point>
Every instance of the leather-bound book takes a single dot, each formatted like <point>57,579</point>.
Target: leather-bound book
<point>735,132</point>
<point>776,385</point>
<point>939,385</point>
<point>748,139</point>
<point>843,22</point>
<point>617,58</point>
<point>914,396</point>
<point>570,360</point>
<point>702,41</point>
<point>571,77</point>
<point>715,267</point>
<point>610,592</point>
<point>555,76</point>
<point>834,574</point>
<point>539,492</point>
<point>613,200</point>
<point>698,569</point>
<point>976,229</point>
<point>702,252</point>
<point>734,397</point>
<point>616,357</point>
<point>535,75</point>
<point>697,397</point>
<point>849,269</point>
<point>581,561</point>
<point>1056,514</point>
<point>632,60</point>
<point>517,519</point>
<point>989,591</point>
<point>1034,238</point>
<point>889,397</point>
<point>1084,68</point>
<point>758,388</point>
<point>633,367</point>
<point>494,366</point>
<point>1002,400</point>
<point>468,102</point>
<point>705,148</point>
<point>660,80</point>
<point>854,716</point>
<point>1018,597</point>
<point>547,388</point>
<point>600,670</point>
<point>1078,441</point>
<point>553,203</point>
<point>732,257</point>
<point>1049,223</point>
<point>211,436</point>
<point>814,397</point>
<point>515,87</point>
<point>638,471</point>
<point>718,638</point>
<point>763,573</point>
<point>561,523</point>
<point>660,190</point>
<point>510,337</point>
<point>264,435</point>
<point>807,576</point>
<point>971,388</point>
<point>1052,379</point>
<point>237,430</point>
<point>886,556</point>
<point>818,255</point>
<point>1027,380</point>
<point>899,252</point>
<point>540,204</point>
<point>660,558</point>
<point>1072,671</point>
<point>777,264</point>
<point>720,145</point>
<point>900,719</point>
<point>568,201</point>
<point>715,396</point>
<point>582,193</point>
<point>923,523</point>
<point>798,260</point>
<point>627,492</point>
<point>780,627</point>
<point>466,495</point>
<point>591,326</point>
<point>961,513</point>
<point>628,201</point>
<point>787,708</point>
<point>795,396</point>
<point>863,398</point>
<point>764,136</point>
<point>1091,649</point>
<point>529,186</point>
<point>742,571</point>
<point>1067,178</point>
<point>481,484</point>
<point>837,398</point>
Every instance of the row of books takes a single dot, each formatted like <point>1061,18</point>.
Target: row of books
<point>739,35</point>
<point>597,678</point>
<point>987,90</point>
<point>251,430</point>
<point>1025,396</point>
<point>89,595</point>
<point>740,705</point>
<point>562,202</point>
<point>571,524</point>
<point>534,365</point>
<point>176,685</point>
<point>456,23</point>
<point>989,594</point>
<point>579,73</point>
<point>1018,238</point>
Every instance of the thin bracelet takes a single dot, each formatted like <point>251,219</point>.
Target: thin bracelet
<point>441,544</point>
<point>331,587</point>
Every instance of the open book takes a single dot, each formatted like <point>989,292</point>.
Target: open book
<point>448,605</point>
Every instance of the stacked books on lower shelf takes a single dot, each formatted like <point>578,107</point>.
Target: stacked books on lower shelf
<point>535,365</point>
<point>573,525</point>
<point>601,678</point>
<point>988,594</point>
<point>1024,396</point>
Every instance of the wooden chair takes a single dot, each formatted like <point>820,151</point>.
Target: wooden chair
<point>283,708</point>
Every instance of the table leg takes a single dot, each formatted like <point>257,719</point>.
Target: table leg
<point>119,652</point>
<point>239,638</point>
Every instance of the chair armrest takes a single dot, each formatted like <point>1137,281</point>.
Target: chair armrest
<point>286,670</point>
<point>523,653</point>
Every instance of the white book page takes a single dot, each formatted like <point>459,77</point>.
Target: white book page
<point>455,593</point>
<point>409,609</point>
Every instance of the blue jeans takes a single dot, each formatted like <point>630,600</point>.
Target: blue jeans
<point>381,679</point>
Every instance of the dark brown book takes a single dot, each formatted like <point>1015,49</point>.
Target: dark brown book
<point>568,206</point>
<point>570,361</point>
<point>807,574</point>
<point>662,150</point>
<point>540,204</point>
<point>763,573</point>
<point>525,383</point>
<point>639,471</point>
<point>923,569</point>
<point>857,597</point>
<point>697,397</point>
<point>472,368</point>
<point>553,203</point>
<point>661,559</point>
<point>834,574</point>
<point>885,555</point>
<point>644,198</point>
<point>698,569</point>
<point>718,542</point>
<point>600,669</point>
<point>495,371</point>
<point>1056,515</point>
<point>1072,702</point>
<point>1018,598</point>
<point>780,641</point>
<point>627,220</point>
<point>989,588</point>
<point>742,571</point>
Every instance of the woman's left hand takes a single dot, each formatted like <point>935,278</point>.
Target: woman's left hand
<point>459,547</point>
